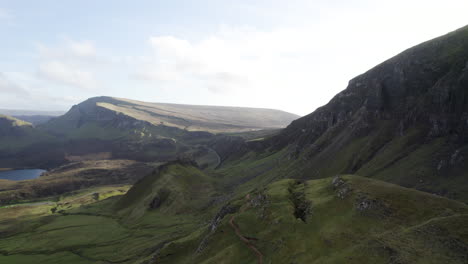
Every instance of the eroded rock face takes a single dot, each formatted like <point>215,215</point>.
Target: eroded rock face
<point>366,205</point>
<point>424,85</point>
<point>90,111</point>
<point>340,186</point>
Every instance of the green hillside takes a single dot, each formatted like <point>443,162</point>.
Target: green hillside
<point>16,134</point>
<point>377,175</point>
<point>180,214</point>
<point>94,228</point>
<point>347,219</point>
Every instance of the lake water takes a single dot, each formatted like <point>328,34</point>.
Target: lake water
<point>19,175</point>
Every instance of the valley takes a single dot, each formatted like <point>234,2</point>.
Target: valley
<point>377,175</point>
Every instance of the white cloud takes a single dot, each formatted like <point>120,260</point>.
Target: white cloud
<point>10,89</point>
<point>73,63</point>
<point>5,14</point>
<point>241,64</point>
<point>292,55</point>
<point>67,74</point>
<point>297,66</point>
<point>69,49</point>
<point>82,49</point>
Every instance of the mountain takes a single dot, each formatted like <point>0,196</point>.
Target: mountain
<point>126,129</point>
<point>124,113</point>
<point>404,121</point>
<point>377,175</point>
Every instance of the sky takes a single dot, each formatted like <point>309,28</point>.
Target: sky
<point>291,55</point>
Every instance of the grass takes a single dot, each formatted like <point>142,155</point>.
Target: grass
<point>336,231</point>
<point>291,220</point>
<point>87,228</point>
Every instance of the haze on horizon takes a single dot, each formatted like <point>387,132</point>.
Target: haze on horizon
<point>293,56</point>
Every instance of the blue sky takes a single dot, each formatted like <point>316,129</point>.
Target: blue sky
<point>291,55</point>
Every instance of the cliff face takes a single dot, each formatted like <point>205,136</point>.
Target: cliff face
<point>426,85</point>
<point>406,121</point>
<point>90,112</point>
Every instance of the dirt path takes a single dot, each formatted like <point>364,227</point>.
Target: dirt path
<point>246,240</point>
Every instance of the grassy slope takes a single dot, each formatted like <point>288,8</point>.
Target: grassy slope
<point>374,222</point>
<point>16,134</point>
<point>182,189</point>
<point>399,225</point>
<point>404,160</point>
<point>407,160</point>
<point>202,118</point>
<point>123,230</point>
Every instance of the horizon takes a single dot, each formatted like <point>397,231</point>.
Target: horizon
<point>294,57</point>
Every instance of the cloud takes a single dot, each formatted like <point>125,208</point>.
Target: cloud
<point>82,49</point>
<point>20,90</point>
<point>5,15</point>
<point>72,63</point>
<point>69,49</point>
<point>233,60</point>
<point>67,74</point>
<point>296,66</point>
<point>8,88</point>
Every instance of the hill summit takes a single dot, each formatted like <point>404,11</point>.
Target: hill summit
<point>213,119</point>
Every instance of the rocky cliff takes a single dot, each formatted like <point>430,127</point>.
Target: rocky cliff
<point>405,121</point>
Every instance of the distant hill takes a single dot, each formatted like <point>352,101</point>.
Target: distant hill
<point>8,122</point>
<point>17,136</point>
<point>125,113</point>
<point>124,129</point>
<point>34,117</point>
<point>13,130</point>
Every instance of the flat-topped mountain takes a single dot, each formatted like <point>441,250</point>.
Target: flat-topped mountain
<point>121,128</point>
<point>122,113</point>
